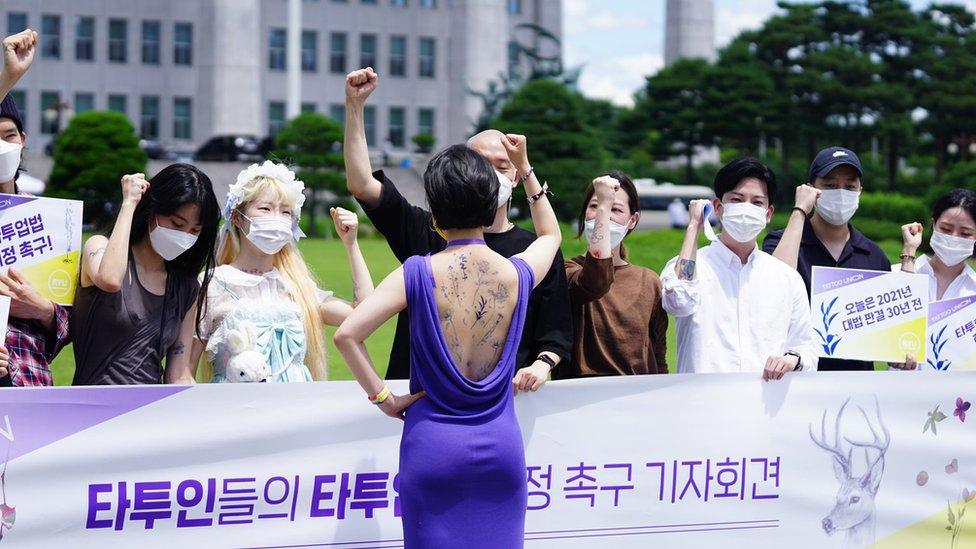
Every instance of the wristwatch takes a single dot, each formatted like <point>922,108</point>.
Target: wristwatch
<point>799,360</point>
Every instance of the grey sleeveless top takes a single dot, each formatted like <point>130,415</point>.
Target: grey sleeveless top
<point>121,338</point>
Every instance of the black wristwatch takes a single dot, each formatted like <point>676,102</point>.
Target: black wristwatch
<point>548,360</point>
<point>799,360</point>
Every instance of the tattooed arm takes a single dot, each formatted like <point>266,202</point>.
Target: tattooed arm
<point>602,201</point>
<point>685,266</point>
<point>105,259</point>
<point>184,355</point>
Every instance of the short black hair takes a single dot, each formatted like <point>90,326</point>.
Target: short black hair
<point>461,188</point>
<point>746,167</point>
<point>956,198</point>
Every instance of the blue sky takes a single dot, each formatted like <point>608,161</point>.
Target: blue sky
<point>621,41</point>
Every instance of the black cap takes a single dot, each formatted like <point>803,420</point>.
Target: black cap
<point>8,109</point>
<point>830,158</point>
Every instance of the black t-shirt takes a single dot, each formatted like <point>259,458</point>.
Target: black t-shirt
<point>859,252</point>
<point>409,232</point>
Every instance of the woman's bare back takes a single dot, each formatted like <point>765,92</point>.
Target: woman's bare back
<point>476,293</point>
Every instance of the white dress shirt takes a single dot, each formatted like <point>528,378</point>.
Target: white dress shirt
<point>732,317</point>
<point>963,285</point>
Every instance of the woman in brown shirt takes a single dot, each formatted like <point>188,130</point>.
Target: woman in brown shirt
<point>619,325</point>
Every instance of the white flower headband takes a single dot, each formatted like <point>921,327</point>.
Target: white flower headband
<point>279,172</point>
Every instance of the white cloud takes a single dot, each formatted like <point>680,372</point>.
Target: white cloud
<point>743,15</point>
<point>579,17</point>
<point>618,78</point>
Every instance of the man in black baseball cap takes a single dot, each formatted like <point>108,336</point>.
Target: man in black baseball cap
<point>819,230</point>
<point>37,328</point>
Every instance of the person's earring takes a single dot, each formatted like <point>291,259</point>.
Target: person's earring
<point>436,229</point>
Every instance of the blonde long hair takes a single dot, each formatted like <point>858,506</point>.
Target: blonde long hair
<point>299,282</point>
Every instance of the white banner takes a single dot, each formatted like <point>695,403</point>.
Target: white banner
<point>816,460</point>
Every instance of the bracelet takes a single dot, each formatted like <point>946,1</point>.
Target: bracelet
<point>381,397</point>
<point>544,192</point>
<point>907,256</point>
<point>548,360</point>
<point>525,177</point>
<point>801,210</point>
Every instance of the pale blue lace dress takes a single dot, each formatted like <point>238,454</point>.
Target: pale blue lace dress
<point>235,297</point>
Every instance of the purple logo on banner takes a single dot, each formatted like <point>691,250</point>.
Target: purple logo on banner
<point>826,279</point>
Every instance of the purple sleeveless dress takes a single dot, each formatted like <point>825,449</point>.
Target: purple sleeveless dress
<point>462,462</point>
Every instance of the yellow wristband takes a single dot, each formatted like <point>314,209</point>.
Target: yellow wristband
<point>381,397</point>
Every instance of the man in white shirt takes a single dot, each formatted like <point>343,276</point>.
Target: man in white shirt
<point>738,309</point>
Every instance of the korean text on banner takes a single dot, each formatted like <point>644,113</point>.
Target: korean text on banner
<point>869,315</point>
<point>41,238</point>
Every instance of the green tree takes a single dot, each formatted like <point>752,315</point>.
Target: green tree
<point>313,143</point>
<point>90,157</point>
<point>674,104</point>
<point>563,149</point>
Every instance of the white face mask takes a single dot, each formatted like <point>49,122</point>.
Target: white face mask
<point>952,250</point>
<point>270,233</point>
<point>9,159</point>
<point>170,243</point>
<point>504,188</point>
<point>837,206</point>
<point>743,221</point>
<point>617,232</point>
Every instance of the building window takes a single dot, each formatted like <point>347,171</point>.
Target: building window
<point>182,118</point>
<point>50,36</point>
<point>84,102</point>
<point>429,4</point>
<point>337,112</point>
<point>399,3</point>
<point>85,39</point>
<point>515,6</point>
<point>183,44</point>
<point>50,112</point>
<point>118,30</point>
<point>149,117</point>
<point>310,51</point>
<point>398,56</point>
<point>427,57</point>
<point>369,124</point>
<point>16,22</point>
<point>277,49</point>
<point>308,108</point>
<point>337,52</point>
<point>118,103</point>
<point>20,99</point>
<point>425,121</point>
<point>397,130</point>
<point>276,117</point>
<point>151,42</point>
<point>367,50</point>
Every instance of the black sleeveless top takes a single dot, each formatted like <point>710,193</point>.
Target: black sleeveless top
<point>121,338</point>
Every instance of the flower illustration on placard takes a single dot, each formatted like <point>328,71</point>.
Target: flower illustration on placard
<point>828,340</point>
<point>962,407</point>
<point>936,361</point>
<point>935,416</point>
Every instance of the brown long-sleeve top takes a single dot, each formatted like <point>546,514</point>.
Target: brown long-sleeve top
<point>619,325</point>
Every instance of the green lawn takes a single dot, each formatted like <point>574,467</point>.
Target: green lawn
<point>327,259</point>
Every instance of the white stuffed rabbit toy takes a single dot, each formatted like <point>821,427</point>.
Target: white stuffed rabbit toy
<point>246,364</point>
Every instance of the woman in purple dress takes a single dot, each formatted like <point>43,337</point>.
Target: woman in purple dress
<point>462,463</point>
